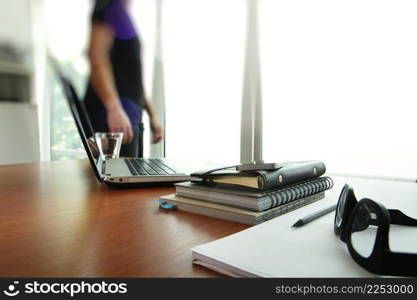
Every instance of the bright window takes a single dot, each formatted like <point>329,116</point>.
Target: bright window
<point>66,24</point>
<point>340,84</point>
<point>203,50</point>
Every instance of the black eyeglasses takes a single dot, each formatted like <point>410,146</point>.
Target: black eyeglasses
<point>364,226</point>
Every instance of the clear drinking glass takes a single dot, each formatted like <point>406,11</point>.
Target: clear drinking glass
<point>109,143</point>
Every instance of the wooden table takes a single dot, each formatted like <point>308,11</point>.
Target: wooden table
<point>56,220</point>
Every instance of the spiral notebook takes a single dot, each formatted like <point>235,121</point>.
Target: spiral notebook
<point>250,199</point>
<point>235,214</point>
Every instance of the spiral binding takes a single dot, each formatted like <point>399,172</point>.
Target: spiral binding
<point>300,190</point>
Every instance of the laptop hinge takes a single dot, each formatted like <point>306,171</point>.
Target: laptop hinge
<point>103,168</point>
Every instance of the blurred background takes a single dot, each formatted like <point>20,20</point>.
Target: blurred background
<point>337,79</point>
<point>60,27</point>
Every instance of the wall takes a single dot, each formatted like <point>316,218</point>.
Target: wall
<point>19,133</point>
<point>19,121</point>
<point>15,25</point>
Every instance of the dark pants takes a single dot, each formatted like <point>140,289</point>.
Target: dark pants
<point>135,147</point>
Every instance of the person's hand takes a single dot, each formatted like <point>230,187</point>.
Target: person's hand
<point>118,121</point>
<point>157,131</point>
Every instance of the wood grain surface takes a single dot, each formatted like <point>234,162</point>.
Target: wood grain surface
<point>57,220</point>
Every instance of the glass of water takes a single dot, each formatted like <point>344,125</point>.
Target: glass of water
<point>109,143</point>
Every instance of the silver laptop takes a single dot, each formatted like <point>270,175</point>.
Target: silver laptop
<point>139,172</point>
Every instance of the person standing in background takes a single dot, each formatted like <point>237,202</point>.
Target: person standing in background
<point>115,97</point>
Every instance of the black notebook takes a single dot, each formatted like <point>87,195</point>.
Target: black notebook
<point>250,199</point>
<point>263,180</point>
<point>235,214</point>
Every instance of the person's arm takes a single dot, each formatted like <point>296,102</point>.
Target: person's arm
<point>157,130</point>
<point>102,80</point>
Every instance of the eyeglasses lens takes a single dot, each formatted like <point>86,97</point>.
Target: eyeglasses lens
<point>341,206</point>
<point>363,230</point>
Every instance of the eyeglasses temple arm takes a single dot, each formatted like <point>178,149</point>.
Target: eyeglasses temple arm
<point>399,218</point>
<point>400,264</point>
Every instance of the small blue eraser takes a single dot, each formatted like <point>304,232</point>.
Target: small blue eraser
<point>169,206</point>
<point>159,202</point>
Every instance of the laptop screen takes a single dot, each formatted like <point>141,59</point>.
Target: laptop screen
<point>90,145</point>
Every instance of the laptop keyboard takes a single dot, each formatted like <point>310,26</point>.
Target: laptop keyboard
<point>149,166</point>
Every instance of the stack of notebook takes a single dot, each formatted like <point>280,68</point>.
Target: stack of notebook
<point>250,197</point>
